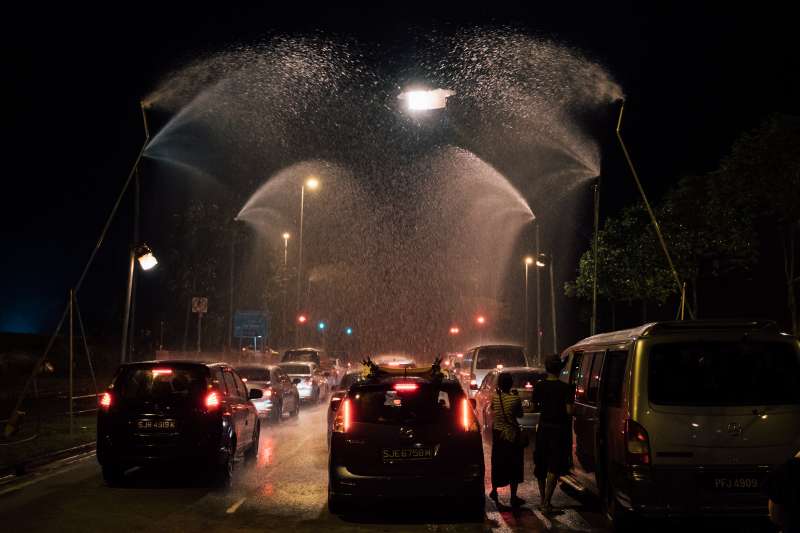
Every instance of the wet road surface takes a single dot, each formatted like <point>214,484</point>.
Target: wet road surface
<point>286,491</point>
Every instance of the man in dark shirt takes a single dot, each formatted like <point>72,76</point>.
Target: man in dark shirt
<point>554,400</point>
<point>783,488</point>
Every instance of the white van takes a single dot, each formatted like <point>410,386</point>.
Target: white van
<point>479,361</point>
<point>677,418</point>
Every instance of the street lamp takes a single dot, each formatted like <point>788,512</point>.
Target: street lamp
<point>144,255</point>
<point>312,182</point>
<point>285,248</point>
<point>284,279</point>
<point>541,263</point>
<point>528,262</point>
<point>425,99</point>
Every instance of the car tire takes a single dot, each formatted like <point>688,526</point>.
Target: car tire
<point>296,410</point>
<point>315,398</point>
<point>223,472</point>
<point>277,413</point>
<point>622,520</point>
<point>251,454</point>
<point>337,504</point>
<point>113,474</point>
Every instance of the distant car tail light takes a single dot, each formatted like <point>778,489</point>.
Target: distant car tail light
<point>637,444</point>
<point>528,385</point>
<point>212,400</point>
<point>473,382</point>
<point>406,387</point>
<point>161,372</point>
<point>105,401</point>
<point>268,393</point>
<point>344,417</point>
<point>467,420</point>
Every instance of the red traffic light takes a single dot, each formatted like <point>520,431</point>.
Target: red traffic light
<point>481,320</point>
<point>454,330</point>
<point>302,319</point>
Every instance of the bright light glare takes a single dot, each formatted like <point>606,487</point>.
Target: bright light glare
<point>405,387</point>
<point>161,372</point>
<point>147,261</point>
<point>422,100</point>
<point>312,183</point>
<point>539,264</point>
<point>286,236</point>
<point>528,260</point>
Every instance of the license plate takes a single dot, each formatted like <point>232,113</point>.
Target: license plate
<point>391,455</point>
<point>156,425</point>
<point>733,483</point>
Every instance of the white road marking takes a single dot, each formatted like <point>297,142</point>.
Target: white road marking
<point>232,509</point>
<point>70,465</point>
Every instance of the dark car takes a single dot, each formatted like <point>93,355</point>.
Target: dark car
<point>406,438</point>
<point>166,412</point>
<point>280,396</point>
<point>353,376</point>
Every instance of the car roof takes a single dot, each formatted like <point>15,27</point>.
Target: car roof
<point>184,362</point>
<point>479,347</point>
<point>513,369</point>
<point>388,380</point>
<point>307,349</point>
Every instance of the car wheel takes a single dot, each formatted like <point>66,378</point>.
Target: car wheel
<point>113,474</point>
<point>315,397</point>
<point>277,413</point>
<point>251,454</point>
<point>622,520</point>
<point>223,474</point>
<point>296,410</point>
<point>337,504</point>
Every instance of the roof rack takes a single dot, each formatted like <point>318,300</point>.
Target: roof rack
<point>374,371</point>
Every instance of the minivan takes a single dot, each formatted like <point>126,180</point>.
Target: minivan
<point>683,418</point>
<point>479,361</point>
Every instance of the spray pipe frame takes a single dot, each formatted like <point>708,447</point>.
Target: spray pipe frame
<point>39,363</point>
<point>681,286</point>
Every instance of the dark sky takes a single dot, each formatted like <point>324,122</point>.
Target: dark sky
<point>695,76</point>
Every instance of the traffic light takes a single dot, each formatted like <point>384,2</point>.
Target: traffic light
<point>348,331</point>
<point>302,319</point>
<point>454,330</point>
<point>321,326</point>
<point>481,320</point>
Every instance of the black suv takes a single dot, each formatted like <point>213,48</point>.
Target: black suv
<point>406,438</point>
<point>162,412</point>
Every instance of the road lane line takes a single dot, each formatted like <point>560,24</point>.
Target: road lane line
<point>232,509</point>
<point>42,477</point>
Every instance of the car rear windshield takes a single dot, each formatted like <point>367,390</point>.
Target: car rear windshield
<point>500,355</point>
<point>349,379</point>
<point>161,382</point>
<point>520,379</point>
<point>301,355</point>
<point>296,369</point>
<point>428,404</point>
<point>253,373</point>
<point>724,373</point>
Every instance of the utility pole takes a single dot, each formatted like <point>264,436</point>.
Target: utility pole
<point>595,259</point>
<point>553,306</point>
<point>538,301</point>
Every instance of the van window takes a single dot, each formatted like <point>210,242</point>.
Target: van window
<point>500,355</point>
<point>593,387</point>
<point>614,378</point>
<point>724,373</point>
<point>582,378</point>
<point>574,370</point>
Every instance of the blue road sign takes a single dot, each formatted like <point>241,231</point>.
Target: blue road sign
<point>250,324</point>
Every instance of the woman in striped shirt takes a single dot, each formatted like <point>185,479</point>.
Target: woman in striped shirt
<point>508,465</point>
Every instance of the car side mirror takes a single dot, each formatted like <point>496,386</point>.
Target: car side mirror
<point>473,403</point>
<point>296,381</point>
<point>255,394</point>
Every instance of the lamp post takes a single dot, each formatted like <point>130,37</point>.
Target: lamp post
<point>526,326</point>
<point>147,261</point>
<point>313,184</point>
<point>284,279</point>
<point>538,301</point>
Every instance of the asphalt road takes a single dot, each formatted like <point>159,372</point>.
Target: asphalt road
<point>286,491</point>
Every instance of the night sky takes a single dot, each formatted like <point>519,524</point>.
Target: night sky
<point>695,77</point>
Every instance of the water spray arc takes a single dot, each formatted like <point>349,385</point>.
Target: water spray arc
<point>653,220</point>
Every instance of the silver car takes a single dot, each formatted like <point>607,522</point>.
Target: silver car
<point>684,417</point>
<point>524,380</point>
<point>479,361</point>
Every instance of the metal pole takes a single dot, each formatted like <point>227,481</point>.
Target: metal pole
<point>593,324</point>
<point>650,212</point>
<point>300,262</point>
<point>132,327</point>
<point>553,307</point>
<point>230,295</point>
<point>127,310</point>
<point>538,303</point>
<point>199,329</point>
<point>71,355</point>
<point>284,280</point>
<point>527,319</point>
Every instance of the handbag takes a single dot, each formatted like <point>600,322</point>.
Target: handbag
<point>521,438</point>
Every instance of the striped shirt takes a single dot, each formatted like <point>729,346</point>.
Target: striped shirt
<point>512,406</point>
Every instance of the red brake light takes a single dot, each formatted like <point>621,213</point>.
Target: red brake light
<point>161,372</point>
<point>105,400</point>
<point>637,444</point>
<point>528,385</point>
<point>473,382</point>
<point>344,417</point>
<point>405,387</point>
<point>212,400</point>
<point>467,421</point>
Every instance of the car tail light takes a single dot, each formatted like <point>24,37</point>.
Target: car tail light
<point>268,393</point>
<point>161,372</point>
<point>637,444</point>
<point>473,382</point>
<point>529,385</point>
<point>212,400</point>
<point>467,420</point>
<point>405,387</point>
<point>344,417</point>
<point>105,401</point>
